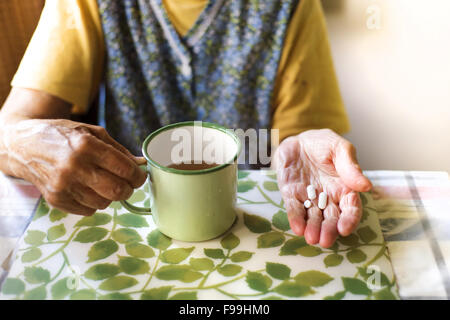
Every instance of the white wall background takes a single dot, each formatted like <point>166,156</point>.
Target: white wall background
<point>395,80</point>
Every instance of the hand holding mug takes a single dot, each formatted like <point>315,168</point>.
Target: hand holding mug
<point>77,167</point>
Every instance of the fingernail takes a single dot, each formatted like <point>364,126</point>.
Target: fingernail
<point>140,160</point>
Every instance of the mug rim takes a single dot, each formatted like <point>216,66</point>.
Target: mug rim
<point>185,124</point>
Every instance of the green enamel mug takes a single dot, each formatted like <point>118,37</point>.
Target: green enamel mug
<point>191,205</point>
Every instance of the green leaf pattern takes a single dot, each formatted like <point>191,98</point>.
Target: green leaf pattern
<point>118,255</point>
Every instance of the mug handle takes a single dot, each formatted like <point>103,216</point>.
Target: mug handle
<point>134,209</point>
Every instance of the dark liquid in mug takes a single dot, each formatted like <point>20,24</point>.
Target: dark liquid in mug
<point>192,166</point>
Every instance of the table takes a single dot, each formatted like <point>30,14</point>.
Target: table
<point>413,208</point>
<point>18,201</point>
<point>258,258</point>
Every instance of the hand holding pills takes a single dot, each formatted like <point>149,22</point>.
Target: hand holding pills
<point>319,179</point>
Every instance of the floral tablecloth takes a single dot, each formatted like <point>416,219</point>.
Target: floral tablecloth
<point>18,201</point>
<point>118,255</point>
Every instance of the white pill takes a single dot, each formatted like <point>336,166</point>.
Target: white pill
<point>311,192</point>
<point>307,204</point>
<point>322,200</point>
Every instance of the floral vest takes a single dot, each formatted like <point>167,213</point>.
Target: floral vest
<point>222,71</point>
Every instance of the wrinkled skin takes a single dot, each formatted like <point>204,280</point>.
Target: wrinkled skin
<point>77,167</point>
<point>328,162</point>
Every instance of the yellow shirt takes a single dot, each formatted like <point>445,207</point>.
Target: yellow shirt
<point>66,53</point>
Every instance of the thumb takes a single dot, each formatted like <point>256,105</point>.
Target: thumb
<point>348,168</point>
<point>140,160</point>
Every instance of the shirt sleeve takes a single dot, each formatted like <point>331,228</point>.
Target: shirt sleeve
<point>65,55</point>
<point>306,93</point>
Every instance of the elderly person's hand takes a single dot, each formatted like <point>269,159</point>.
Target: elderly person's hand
<point>77,167</point>
<point>328,162</point>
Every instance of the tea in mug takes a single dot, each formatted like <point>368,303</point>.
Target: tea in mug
<point>192,166</point>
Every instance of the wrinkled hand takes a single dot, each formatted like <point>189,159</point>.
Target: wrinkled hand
<point>328,162</point>
<point>77,167</point>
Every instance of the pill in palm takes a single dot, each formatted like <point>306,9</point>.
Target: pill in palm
<point>322,200</point>
<point>311,192</point>
<point>307,204</point>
